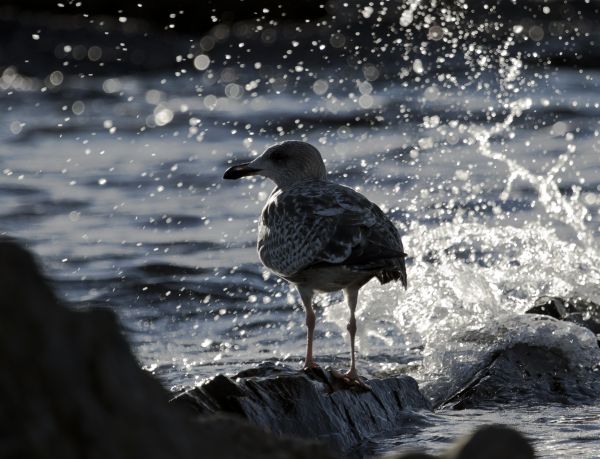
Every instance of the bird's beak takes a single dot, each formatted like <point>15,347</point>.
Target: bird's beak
<point>241,170</point>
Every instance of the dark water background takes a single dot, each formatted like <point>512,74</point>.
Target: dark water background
<point>479,137</point>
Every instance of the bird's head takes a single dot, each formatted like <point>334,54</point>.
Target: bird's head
<point>285,163</point>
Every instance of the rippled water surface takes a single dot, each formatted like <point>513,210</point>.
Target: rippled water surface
<point>490,167</point>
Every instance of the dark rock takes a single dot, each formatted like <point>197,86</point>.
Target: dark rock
<point>228,437</point>
<point>310,404</point>
<point>487,442</point>
<point>584,320</point>
<point>559,308</point>
<point>70,387</point>
<point>493,442</point>
<point>580,311</point>
<point>527,359</point>
<point>549,306</point>
<point>526,374</point>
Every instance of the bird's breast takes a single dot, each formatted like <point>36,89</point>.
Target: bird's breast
<point>267,246</point>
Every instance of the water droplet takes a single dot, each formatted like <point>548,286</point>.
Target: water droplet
<point>201,62</point>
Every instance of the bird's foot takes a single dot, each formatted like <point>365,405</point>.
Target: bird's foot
<point>310,365</point>
<point>314,371</point>
<point>350,379</point>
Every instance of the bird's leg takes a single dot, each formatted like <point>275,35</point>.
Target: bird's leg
<point>352,297</point>
<point>351,327</point>
<point>351,376</point>
<point>307,295</point>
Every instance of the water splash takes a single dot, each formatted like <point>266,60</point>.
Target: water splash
<point>471,272</point>
<point>568,210</point>
<point>449,293</point>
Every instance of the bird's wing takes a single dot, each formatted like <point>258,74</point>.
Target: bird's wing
<point>291,234</point>
<point>368,237</point>
<point>321,222</point>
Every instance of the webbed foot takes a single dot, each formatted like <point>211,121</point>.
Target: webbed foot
<point>350,379</point>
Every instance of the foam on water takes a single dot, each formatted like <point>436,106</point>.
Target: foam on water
<point>464,275</point>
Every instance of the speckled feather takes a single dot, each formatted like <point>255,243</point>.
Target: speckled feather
<point>321,223</point>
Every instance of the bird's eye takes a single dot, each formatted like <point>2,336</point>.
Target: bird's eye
<point>277,156</point>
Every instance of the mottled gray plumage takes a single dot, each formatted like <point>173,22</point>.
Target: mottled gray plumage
<point>321,236</point>
<point>319,223</point>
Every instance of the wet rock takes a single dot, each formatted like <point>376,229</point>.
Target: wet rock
<point>533,359</point>
<point>487,442</point>
<point>520,360</point>
<point>549,306</point>
<point>70,387</point>
<point>525,374</point>
<point>310,404</point>
<point>584,320</point>
<point>580,311</point>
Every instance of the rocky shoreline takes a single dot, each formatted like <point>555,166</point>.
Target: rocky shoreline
<point>310,405</point>
<point>71,387</point>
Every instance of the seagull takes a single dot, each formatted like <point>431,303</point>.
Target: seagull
<point>321,236</point>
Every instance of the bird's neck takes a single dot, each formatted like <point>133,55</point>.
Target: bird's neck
<point>285,185</point>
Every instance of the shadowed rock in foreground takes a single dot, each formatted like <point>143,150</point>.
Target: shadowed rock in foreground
<point>311,404</point>
<point>71,388</point>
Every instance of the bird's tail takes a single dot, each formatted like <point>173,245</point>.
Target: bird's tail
<point>394,274</point>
